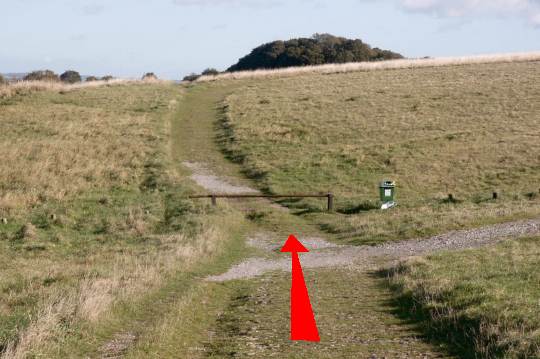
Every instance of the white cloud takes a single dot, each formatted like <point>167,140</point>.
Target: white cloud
<point>529,9</point>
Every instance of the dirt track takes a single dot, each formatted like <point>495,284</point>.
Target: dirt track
<point>326,254</point>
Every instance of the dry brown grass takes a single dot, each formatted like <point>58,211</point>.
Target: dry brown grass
<point>485,300</point>
<point>25,87</point>
<point>96,221</point>
<point>467,130</point>
<point>72,167</point>
<point>379,65</point>
<point>39,331</point>
<point>55,147</point>
<point>127,277</point>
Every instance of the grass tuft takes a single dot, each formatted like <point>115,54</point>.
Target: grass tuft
<point>484,302</point>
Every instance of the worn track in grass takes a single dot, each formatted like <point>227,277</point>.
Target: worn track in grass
<point>372,256</point>
<point>326,254</point>
<point>356,315</point>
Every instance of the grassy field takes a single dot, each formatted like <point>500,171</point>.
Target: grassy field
<point>485,301</point>
<point>467,130</point>
<point>354,313</point>
<point>18,88</point>
<point>101,255</point>
<point>93,224</point>
<point>249,318</point>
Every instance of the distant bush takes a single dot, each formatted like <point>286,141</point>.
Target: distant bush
<point>70,77</point>
<point>3,81</point>
<point>191,77</point>
<point>42,75</point>
<point>210,72</point>
<point>317,50</point>
<point>91,79</point>
<point>107,78</point>
<point>149,76</point>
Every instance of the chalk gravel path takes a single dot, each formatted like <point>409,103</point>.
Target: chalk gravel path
<point>326,254</point>
<point>210,182</point>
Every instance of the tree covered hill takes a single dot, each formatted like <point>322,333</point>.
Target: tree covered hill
<point>317,50</point>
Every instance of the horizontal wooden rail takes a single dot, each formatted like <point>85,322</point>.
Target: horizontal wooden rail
<point>214,197</point>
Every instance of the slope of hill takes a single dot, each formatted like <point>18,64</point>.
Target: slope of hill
<point>466,130</point>
<point>469,130</point>
<point>483,300</point>
<point>91,191</point>
<point>376,66</point>
<point>92,220</point>
<point>317,50</point>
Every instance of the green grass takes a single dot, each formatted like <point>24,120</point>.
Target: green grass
<point>354,313</point>
<point>92,187</point>
<point>148,316</point>
<point>466,130</point>
<point>80,192</point>
<point>484,301</point>
<point>97,227</point>
<point>250,318</point>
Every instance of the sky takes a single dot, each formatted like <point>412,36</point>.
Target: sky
<point>173,38</point>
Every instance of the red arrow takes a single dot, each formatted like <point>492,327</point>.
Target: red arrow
<point>303,325</point>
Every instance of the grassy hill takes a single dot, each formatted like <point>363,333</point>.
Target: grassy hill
<point>101,255</point>
<point>467,130</point>
<point>486,305</point>
<point>94,232</point>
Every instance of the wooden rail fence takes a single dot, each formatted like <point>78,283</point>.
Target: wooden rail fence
<point>214,197</point>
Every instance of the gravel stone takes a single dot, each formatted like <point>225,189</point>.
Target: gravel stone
<point>326,254</point>
<point>207,180</point>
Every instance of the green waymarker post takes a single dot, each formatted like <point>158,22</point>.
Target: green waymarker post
<point>387,192</point>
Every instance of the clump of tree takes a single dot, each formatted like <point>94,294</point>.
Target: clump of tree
<point>42,75</point>
<point>91,79</point>
<point>3,80</point>
<point>70,77</point>
<point>149,76</point>
<point>107,78</point>
<point>191,77</point>
<point>317,50</point>
<point>210,72</point>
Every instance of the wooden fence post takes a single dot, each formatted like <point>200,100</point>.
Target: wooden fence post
<point>214,200</point>
<point>330,202</point>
